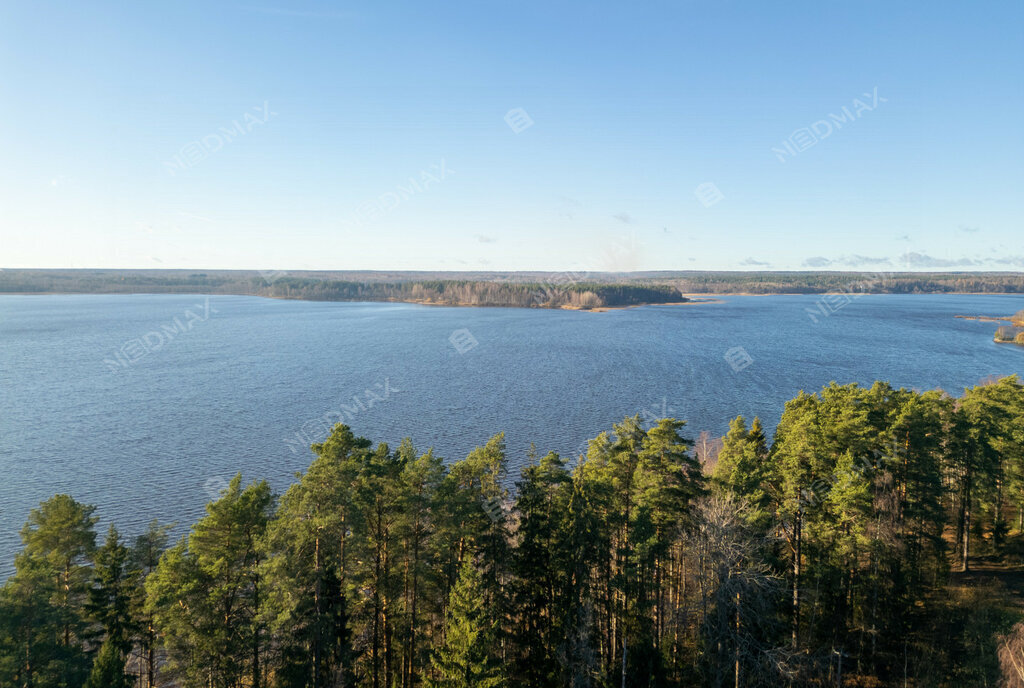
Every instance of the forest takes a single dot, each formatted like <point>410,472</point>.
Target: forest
<point>875,539</point>
<point>554,291</point>
<point>519,289</point>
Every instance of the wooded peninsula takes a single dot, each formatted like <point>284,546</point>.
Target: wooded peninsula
<point>874,540</point>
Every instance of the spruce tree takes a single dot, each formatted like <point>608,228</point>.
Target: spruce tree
<point>108,668</point>
<point>110,597</point>
<point>542,570</point>
<point>465,659</point>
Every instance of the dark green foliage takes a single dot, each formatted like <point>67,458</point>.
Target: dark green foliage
<point>108,669</point>
<point>510,288</point>
<point>827,550</point>
<point>466,658</point>
<point>43,621</point>
<point>110,597</point>
<point>207,593</point>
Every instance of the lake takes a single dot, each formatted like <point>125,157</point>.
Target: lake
<point>145,405</point>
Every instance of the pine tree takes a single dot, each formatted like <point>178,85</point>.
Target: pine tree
<point>378,498</point>
<point>206,595</point>
<point>310,565</point>
<point>465,659</point>
<point>30,650</point>
<point>144,557</point>
<point>59,541</point>
<point>423,583</point>
<point>742,468</point>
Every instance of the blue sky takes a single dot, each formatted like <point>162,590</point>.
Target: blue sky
<point>316,135</point>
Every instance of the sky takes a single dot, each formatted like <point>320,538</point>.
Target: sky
<point>482,135</point>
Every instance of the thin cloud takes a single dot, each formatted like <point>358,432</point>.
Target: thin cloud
<point>969,230</point>
<point>624,218</point>
<point>1015,261</point>
<point>817,262</point>
<point>857,261</point>
<point>755,263</point>
<point>485,239</point>
<point>922,260</point>
<point>853,261</point>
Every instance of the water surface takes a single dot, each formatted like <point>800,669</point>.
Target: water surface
<point>145,404</point>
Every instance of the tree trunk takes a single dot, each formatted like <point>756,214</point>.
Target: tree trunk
<point>256,634</point>
<point>967,536</point>
<point>317,620</point>
<point>624,652</point>
<point>797,526</point>
<point>736,682</point>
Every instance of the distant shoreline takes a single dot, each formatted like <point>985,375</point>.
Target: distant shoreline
<point>584,291</point>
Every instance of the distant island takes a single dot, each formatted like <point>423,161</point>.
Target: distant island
<point>574,290</point>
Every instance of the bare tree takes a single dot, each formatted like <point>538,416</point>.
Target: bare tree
<point>738,594</point>
<point>1011,658</point>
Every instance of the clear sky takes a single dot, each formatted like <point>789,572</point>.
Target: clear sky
<point>658,135</point>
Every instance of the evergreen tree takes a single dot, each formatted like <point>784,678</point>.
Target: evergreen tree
<point>206,595</point>
<point>110,597</point>
<point>465,658</point>
<point>108,668</point>
<point>144,557</point>
<point>541,569</point>
<point>423,583</point>
<point>742,468</point>
<point>31,653</point>
<point>49,591</point>
<point>310,565</point>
